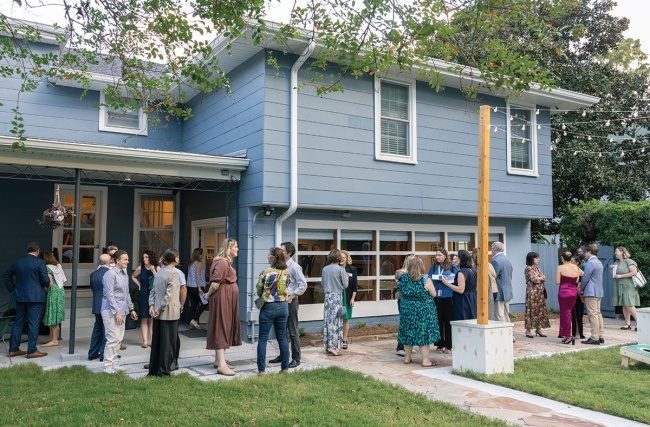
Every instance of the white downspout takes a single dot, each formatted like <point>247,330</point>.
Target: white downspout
<point>293,154</point>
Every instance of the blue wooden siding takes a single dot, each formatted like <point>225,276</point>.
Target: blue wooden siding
<point>222,124</point>
<point>337,152</point>
<point>59,113</point>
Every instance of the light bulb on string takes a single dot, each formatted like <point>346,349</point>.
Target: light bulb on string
<point>622,153</point>
<point>607,123</point>
<point>537,112</point>
<point>495,129</point>
<point>551,148</point>
<point>584,114</point>
<point>539,127</point>
<point>496,109</point>
<point>523,140</point>
<point>563,126</point>
<point>575,153</point>
<point>643,150</point>
<point>589,138</point>
<point>636,114</point>
<point>600,154</point>
<point>633,139</point>
<point>611,140</point>
<point>523,127</point>
<point>564,133</point>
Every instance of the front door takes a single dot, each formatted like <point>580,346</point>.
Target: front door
<point>92,223</point>
<point>208,234</point>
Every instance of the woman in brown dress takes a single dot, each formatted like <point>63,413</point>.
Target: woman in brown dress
<point>223,294</point>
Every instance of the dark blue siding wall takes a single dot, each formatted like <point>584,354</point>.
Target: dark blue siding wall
<point>337,166</point>
<point>23,203</point>
<point>119,223</point>
<point>223,124</point>
<point>59,113</point>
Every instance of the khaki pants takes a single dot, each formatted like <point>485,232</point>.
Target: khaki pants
<point>595,318</point>
<point>114,337</point>
<point>502,310</point>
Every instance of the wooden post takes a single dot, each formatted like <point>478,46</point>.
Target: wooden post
<point>483,213</point>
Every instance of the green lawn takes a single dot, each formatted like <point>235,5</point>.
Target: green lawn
<point>323,397</point>
<point>592,379</point>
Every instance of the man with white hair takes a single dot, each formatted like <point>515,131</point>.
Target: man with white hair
<point>503,268</point>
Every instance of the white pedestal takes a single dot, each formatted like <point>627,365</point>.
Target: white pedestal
<point>486,349</point>
<point>643,325</point>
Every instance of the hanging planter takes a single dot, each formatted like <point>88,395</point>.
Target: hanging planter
<point>53,217</point>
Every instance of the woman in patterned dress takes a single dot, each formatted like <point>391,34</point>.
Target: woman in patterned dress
<point>625,293</point>
<point>536,312</point>
<point>334,281</point>
<point>55,303</point>
<point>418,321</point>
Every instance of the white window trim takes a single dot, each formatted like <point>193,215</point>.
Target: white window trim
<point>136,220</point>
<point>412,158</point>
<point>314,312</point>
<point>104,127</point>
<point>533,125</point>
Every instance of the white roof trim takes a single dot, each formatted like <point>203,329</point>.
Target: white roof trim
<point>127,160</point>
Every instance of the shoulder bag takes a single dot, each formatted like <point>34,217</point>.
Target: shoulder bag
<point>638,279</point>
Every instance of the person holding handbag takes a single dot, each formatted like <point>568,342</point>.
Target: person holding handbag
<point>272,289</point>
<point>536,314</point>
<point>625,293</point>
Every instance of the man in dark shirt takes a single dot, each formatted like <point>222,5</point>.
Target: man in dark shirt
<point>98,337</point>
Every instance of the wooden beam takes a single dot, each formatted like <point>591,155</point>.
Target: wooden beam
<point>483,213</point>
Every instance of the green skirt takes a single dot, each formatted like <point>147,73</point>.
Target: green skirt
<point>348,313</point>
<point>54,306</point>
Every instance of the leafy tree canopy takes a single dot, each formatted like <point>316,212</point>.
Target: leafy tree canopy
<point>159,47</point>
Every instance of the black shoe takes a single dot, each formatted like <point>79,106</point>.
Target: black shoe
<point>119,356</point>
<point>146,366</point>
<point>601,340</point>
<point>294,363</point>
<point>590,341</point>
<point>582,337</point>
<point>276,360</point>
<point>94,357</point>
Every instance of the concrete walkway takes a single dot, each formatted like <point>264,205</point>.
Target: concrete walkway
<point>378,358</point>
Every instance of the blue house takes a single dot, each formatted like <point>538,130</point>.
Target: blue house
<point>384,169</point>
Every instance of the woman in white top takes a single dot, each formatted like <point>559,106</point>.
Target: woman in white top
<point>195,286</point>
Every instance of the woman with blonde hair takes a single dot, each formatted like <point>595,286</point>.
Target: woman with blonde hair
<point>348,294</point>
<point>55,303</point>
<point>418,322</point>
<point>625,293</point>
<point>334,281</point>
<point>223,296</point>
<point>443,267</point>
<point>567,277</point>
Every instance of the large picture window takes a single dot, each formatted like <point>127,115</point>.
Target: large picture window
<point>395,121</point>
<point>156,223</point>
<point>522,140</point>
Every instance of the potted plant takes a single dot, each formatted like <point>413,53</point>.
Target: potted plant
<point>53,217</point>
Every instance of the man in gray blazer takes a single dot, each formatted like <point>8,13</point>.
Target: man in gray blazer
<point>591,289</point>
<point>503,268</point>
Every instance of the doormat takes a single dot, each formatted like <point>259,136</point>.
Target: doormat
<point>194,333</point>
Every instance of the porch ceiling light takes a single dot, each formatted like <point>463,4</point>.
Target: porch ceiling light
<point>268,210</point>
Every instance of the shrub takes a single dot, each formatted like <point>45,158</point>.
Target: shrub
<point>612,224</point>
<point>361,325</point>
<point>301,332</point>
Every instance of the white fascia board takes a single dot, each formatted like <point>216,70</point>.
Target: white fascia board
<point>122,159</point>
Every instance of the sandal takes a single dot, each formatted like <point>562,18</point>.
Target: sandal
<point>429,365</point>
<point>626,327</point>
<point>447,351</point>
<point>331,352</point>
<point>344,346</point>
<point>407,361</point>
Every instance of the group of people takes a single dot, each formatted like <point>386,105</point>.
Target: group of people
<point>36,280</point>
<point>428,302</point>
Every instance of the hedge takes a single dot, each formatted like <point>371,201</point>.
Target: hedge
<point>612,224</point>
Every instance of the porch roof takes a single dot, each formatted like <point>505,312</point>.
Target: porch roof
<point>127,161</point>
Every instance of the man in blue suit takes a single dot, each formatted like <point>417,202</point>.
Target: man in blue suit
<point>29,294</point>
<point>503,268</point>
<point>98,338</point>
<point>591,288</point>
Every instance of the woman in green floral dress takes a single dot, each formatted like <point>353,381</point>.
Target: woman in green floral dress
<point>418,321</point>
<point>55,303</point>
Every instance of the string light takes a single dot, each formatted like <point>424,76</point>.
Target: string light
<point>496,109</point>
<point>584,114</point>
<point>607,123</point>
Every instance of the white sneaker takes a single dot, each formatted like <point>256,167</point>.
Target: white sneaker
<point>401,353</point>
<point>194,324</point>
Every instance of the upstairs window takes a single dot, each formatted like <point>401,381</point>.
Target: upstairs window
<point>522,140</point>
<point>131,119</point>
<point>395,136</point>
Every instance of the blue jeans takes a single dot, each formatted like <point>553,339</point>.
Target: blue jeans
<point>273,314</point>
<point>97,339</point>
<point>29,312</point>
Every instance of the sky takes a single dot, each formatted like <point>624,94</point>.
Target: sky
<point>636,10</point>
